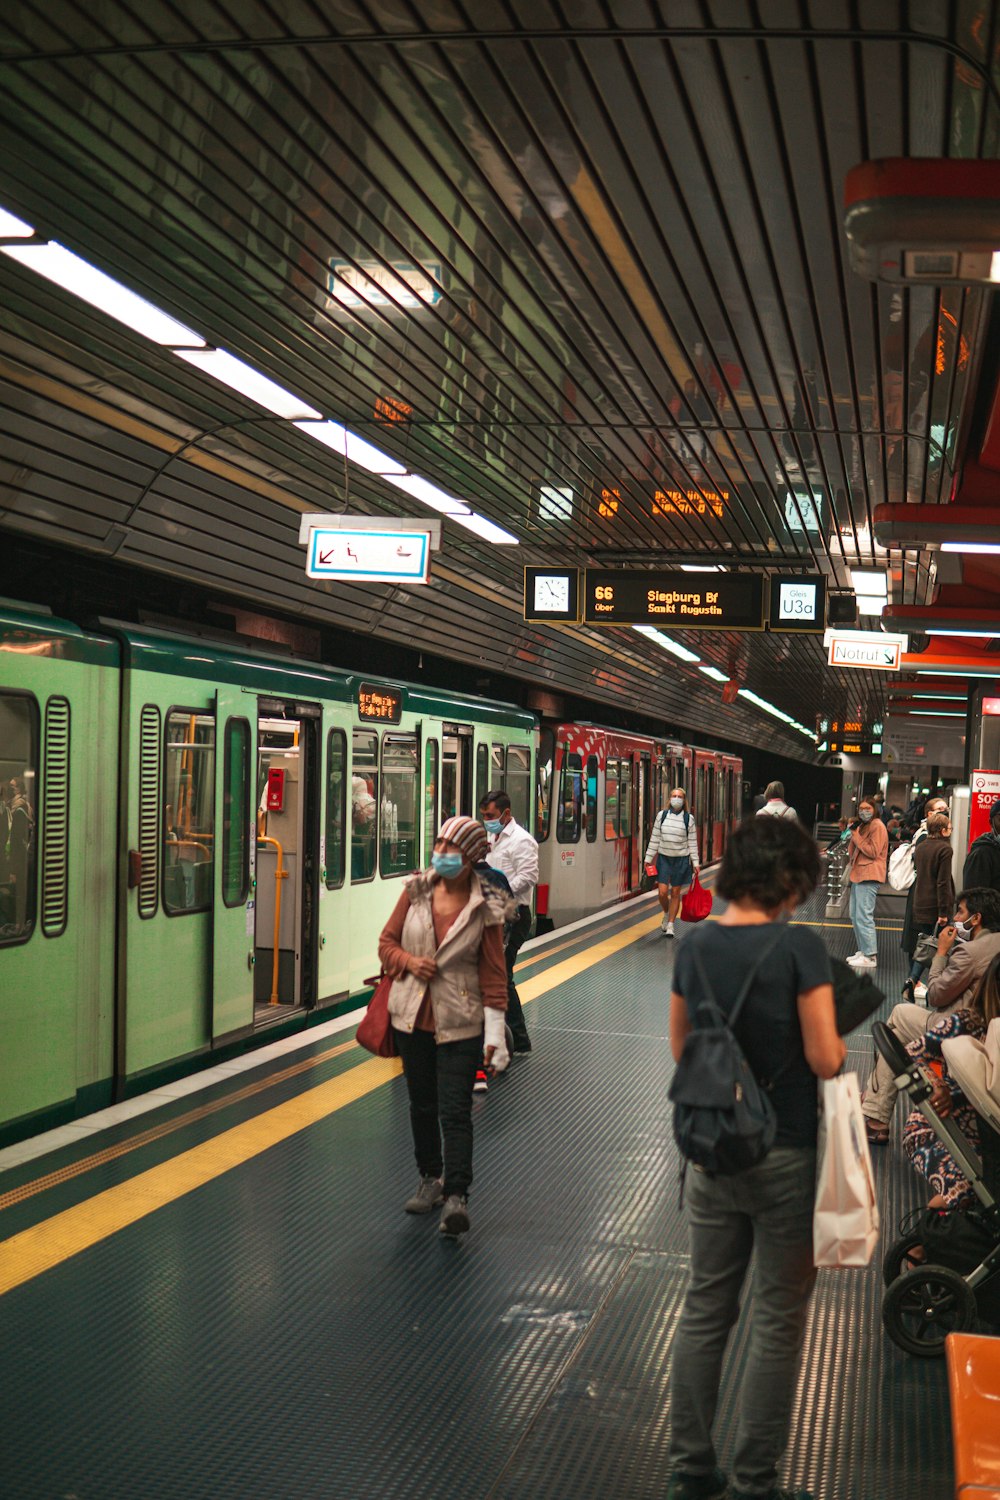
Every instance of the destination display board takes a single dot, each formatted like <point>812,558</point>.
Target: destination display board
<point>689,601</point>
<point>378,704</point>
<point>849,737</point>
<point>798,603</point>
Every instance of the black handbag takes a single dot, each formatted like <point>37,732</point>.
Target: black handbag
<point>855,996</point>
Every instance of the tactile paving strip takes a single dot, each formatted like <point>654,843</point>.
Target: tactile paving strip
<point>285,1332</point>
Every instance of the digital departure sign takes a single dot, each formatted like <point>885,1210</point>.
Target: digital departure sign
<point>552,594</point>
<point>379,705</point>
<point>692,601</point>
<point>849,737</point>
<point>798,603</point>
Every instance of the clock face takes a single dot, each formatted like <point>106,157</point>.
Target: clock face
<point>552,592</point>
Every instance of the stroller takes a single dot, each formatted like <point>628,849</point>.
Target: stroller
<point>958,1285</point>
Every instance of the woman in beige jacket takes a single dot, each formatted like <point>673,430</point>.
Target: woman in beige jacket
<point>444,946</point>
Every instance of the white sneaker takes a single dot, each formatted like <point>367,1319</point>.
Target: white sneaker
<point>853,956</point>
<point>669,929</point>
<point>920,991</point>
<point>665,925</point>
<point>864,962</point>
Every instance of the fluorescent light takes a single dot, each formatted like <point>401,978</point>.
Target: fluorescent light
<point>488,530</point>
<point>995,266</point>
<point>975,635</point>
<point>56,263</point>
<point>674,647</point>
<point>429,494</point>
<point>357,450</point>
<point>702,568</point>
<point>249,382</point>
<point>13,228</point>
<point>955,672</point>
<point>870,604</point>
<point>990,548</point>
<point>932,697</point>
<point>869,581</point>
<point>936,713</point>
<point>776,713</point>
<point>714,673</point>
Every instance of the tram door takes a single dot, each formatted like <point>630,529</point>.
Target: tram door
<point>233,873</point>
<point>456,771</point>
<point>287,862</point>
<point>645,802</point>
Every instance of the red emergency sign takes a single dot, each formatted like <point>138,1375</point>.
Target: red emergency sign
<point>276,789</point>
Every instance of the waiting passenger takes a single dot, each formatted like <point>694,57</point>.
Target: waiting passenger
<point>444,946</point>
<point>932,805</point>
<point>927,1153</point>
<point>965,950</point>
<point>775,805</point>
<point>514,851</point>
<point>869,852</point>
<point>788,1033</point>
<point>933,889</point>
<point>673,844</point>
<point>982,863</point>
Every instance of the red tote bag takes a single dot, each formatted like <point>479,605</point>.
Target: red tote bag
<point>375,1031</point>
<point>697,903</point>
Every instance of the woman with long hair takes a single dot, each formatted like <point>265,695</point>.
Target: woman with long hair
<point>928,1155</point>
<point>933,889</point>
<point>673,846</point>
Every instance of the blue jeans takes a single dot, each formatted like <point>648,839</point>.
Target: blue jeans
<point>863,896</point>
<point>768,1209</point>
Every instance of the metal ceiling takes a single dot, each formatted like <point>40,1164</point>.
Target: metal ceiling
<point>590,247</point>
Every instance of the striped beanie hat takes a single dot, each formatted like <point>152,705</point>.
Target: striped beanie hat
<point>468,835</point>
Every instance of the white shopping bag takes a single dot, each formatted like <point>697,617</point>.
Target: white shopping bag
<point>845,1223</point>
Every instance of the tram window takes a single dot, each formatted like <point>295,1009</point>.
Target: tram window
<point>498,775</point>
<point>399,828</point>
<point>543,785</point>
<point>235,808</point>
<point>188,811</point>
<point>430,797</point>
<point>336,797</point>
<point>568,824</point>
<point>482,774</point>
<point>611,800</point>
<point>518,782</point>
<point>18,832</point>
<point>625,800</point>
<point>591,798</point>
<point>364,803</point>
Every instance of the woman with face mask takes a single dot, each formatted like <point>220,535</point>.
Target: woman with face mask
<point>673,848</point>
<point>869,851</point>
<point>911,932</point>
<point>444,946</point>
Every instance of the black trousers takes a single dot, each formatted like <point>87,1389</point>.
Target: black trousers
<point>517,934</point>
<point>439,1080</point>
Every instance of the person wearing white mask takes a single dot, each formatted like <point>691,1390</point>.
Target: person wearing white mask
<point>869,856</point>
<point>673,847</point>
<point>965,950</point>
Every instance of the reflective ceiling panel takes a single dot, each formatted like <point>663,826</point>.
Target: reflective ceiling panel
<point>580,265</point>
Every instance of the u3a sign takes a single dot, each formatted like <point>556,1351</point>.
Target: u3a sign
<point>874,653</point>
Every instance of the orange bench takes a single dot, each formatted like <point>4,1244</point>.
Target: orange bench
<point>974,1383</point>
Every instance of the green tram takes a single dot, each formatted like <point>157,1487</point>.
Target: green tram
<point>199,843</point>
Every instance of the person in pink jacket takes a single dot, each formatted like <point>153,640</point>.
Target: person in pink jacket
<point>869,852</point>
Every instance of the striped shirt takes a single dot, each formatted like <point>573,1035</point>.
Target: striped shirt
<point>671,839</point>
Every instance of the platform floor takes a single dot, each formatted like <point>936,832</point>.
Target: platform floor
<point>222,1298</point>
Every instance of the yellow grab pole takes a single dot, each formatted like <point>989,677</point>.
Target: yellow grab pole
<point>280,874</point>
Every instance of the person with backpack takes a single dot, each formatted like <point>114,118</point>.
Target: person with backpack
<point>933,890</point>
<point>770,987</point>
<point>774,805</point>
<point>902,871</point>
<point>673,846</point>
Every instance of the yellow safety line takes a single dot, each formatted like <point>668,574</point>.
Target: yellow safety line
<point>44,1245</point>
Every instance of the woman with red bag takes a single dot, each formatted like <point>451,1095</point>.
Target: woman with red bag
<point>443,945</point>
<point>673,848</point>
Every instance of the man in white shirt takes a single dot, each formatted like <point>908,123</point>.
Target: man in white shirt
<point>514,851</point>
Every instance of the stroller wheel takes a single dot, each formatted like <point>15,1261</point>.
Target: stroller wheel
<point>921,1308</point>
<point>894,1262</point>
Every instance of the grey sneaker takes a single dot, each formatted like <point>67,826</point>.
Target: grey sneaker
<point>429,1194</point>
<point>455,1219</point>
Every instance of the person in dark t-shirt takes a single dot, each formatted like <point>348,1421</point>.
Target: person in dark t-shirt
<point>787,1029</point>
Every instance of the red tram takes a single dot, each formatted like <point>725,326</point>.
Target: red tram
<point>598,791</point>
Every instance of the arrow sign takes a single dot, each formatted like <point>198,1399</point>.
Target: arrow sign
<point>865,652</point>
<point>367,556</point>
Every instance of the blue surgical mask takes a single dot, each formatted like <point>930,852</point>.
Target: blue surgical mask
<point>492,825</point>
<point>447,865</point>
<point>866,815</point>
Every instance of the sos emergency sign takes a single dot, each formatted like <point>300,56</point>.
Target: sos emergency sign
<point>985,787</point>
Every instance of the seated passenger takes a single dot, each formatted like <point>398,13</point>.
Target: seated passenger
<point>930,1156</point>
<point>965,950</point>
<point>788,1033</point>
<point>444,946</point>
